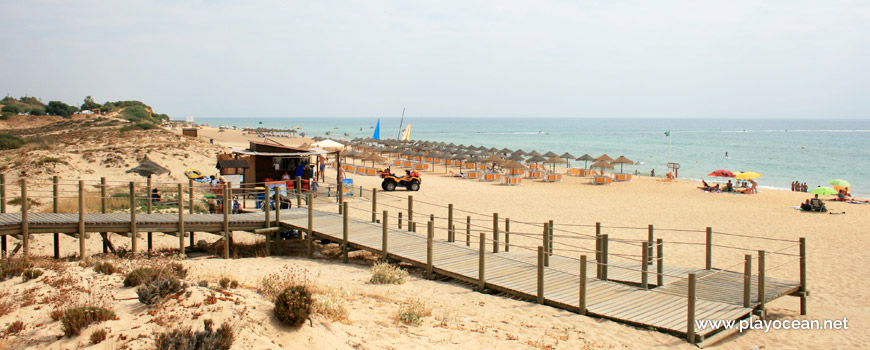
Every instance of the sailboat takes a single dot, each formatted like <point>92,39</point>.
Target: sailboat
<point>406,134</point>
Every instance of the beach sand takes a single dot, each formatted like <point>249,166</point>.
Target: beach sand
<point>465,319</point>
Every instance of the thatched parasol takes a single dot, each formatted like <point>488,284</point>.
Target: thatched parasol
<point>585,158</point>
<point>533,153</point>
<point>516,157</point>
<point>604,157</point>
<point>550,154</point>
<point>602,164</point>
<point>553,160</point>
<point>567,157</point>
<point>520,152</point>
<point>536,159</point>
<point>492,159</point>
<point>621,161</point>
<point>148,168</point>
<point>513,165</point>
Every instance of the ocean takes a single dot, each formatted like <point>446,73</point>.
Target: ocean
<point>810,151</point>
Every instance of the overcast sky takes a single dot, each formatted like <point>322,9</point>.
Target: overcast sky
<point>684,59</point>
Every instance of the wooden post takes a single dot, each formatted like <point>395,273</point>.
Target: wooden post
<point>148,200</point>
<point>133,229</point>
<point>451,232</point>
<point>582,308</point>
<point>310,243</point>
<point>507,234</point>
<point>25,225</point>
<point>400,220</point>
<point>340,193</point>
<point>104,207</point>
<point>651,240</point>
<point>550,248</point>
<point>481,268</point>
<point>180,220</point>
<point>598,249</point>
<point>604,257</point>
<point>81,219</point>
<point>226,192</point>
<point>803,262</point>
<point>190,195</point>
<point>374,204</point>
<point>54,208</point>
<point>709,248</point>
<point>540,275</point>
<point>410,213</point>
<point>299,193</point>
<point>267,223</point>
<point>761,301</point>
<point>660,263</point>
<point>690,317</point>
<point>644,265</point>
<point>495,232</point>
<point>278,208</point>
<point>345,246</point>
<point>432,217</point>
<point>267,203</point>
<point>384,235</point>
<point>3,211</point>
<point>430,233</point>
<point>747,280</point>
<point>468,231</point>
<point>546,243</point>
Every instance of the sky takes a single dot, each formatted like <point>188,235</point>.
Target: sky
<point>585,59</point>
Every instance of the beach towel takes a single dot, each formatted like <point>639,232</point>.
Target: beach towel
<point>858,202</point>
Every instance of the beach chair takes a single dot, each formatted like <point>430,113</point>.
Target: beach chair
<point>408,164</point>
<point>371,171</point>
<point>396,162</point>
<point>817,205</point>
<point>553,177</point>
<point>490,177</point>
<point>622,177</point>
<point>512,180</point>
<point>575,171</point>
<point>421,167</point>
<point>601,180</point>
<point>472,174</point>
<point>534,174</point>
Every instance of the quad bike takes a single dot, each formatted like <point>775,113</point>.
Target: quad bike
<point>411,180</point>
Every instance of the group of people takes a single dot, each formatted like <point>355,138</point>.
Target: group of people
<point>729,187</point>
<point>798,186</point>
<point>814,204</point>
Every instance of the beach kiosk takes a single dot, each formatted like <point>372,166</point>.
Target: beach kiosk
<point>268,162</point>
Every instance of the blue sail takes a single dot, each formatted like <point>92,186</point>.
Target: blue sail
<point>377,134</point>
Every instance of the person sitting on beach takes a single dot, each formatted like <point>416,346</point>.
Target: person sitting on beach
<point>729,187</point>
<point>155,196</point>
<point>805,206</point>
<point>705,187</point>
<point>817,204</point>
<point>842,196</point>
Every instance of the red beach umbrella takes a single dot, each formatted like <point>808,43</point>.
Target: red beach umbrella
<point>721,173</point>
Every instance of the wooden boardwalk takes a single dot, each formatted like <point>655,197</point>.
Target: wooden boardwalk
<point>719,293</point>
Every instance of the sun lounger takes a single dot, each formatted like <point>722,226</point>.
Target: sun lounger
<point>534,174</point>
<point>601,180</point>
<point>421,166</point>
<point>512,180</point>
<point>576,171</point>
<point>553,177</point>
<point>371,171</point>
<point>622,177</point>
<point>490,177</point>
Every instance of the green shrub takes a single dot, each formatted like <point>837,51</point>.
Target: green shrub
<point>98,336</point>
<point>5,115</point>
<point>155,291</point>
<point>11,109</point>
<point>37,111</point>
<point>9,141</point>
<point>76,319</point>
<point>226,282</point>
<point>29,274</point>
<point>384,273</point>
<point>60,108</point>
<point>207,339</point>
<point>138,126</point>
<point>105,268</point>
<point>293,306</point>
<point>15,327</point>
<point>144,275</point>
<point>412,311</point>
<point>13,267</point>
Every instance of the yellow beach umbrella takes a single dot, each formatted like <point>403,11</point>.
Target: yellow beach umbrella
<point>747,175</point>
